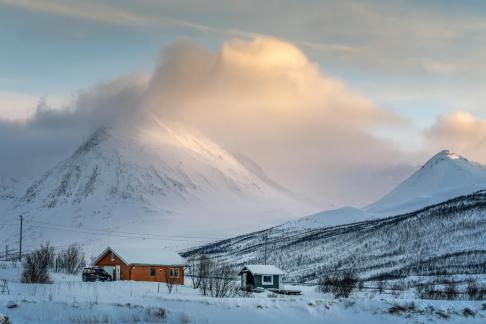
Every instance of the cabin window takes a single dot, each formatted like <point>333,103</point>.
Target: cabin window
<point>112,256</point>
<point>152,272</point>
<point>174,272</point>
<point>267,280</point>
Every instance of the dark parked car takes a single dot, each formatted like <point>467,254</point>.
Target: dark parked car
<point>95,274</point>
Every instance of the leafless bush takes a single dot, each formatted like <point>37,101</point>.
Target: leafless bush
<point>451,291</point>
<point>381,286</point>
<point>212,279</point>
<point>432,291</point>
<point>36,265</point>
<point>361,284</point>
<point>326,284</point>
<point>170,280</point>
<point>193,269</point>
<point>339,285</point>
<point>204,272</point>
<point>70,260</point>
<point>396,309</point>
<point>222,283</point>
<point>472,289</point>
<point>4,319</point>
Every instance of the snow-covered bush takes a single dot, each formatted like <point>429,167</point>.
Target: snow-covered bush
<point>36,265</point>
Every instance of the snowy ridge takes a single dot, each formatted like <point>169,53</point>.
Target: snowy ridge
<point>444,238</point>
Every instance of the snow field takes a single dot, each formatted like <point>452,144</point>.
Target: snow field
<point>69,300</point>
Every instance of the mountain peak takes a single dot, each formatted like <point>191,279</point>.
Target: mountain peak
<point>445,176</point>
<point>446,155</point>
<point>100,135</point>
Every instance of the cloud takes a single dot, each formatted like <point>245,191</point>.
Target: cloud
<point>265,99</point>
<point>262,98</point>
<point>31,145</point>
<point>461,132</point>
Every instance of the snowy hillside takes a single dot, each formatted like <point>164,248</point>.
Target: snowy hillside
<point>445,238</point>
<point>444,176</point>
<point>176,186</point>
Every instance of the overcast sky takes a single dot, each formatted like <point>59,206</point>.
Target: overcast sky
<point>338,99</point>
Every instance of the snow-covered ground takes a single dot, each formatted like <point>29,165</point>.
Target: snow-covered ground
<point>69,300</point>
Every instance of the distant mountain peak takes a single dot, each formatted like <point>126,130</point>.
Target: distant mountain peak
<point>445,176</point>
<point>444,155</point>
<point>99,136</point>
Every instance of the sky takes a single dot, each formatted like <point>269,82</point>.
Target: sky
<point>338,100</point>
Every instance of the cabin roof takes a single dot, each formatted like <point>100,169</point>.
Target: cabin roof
<point>145,256</point>
<point>262,269</point>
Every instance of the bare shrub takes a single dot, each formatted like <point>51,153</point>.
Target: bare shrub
<point>4,319</point>
<point>193,269</point>
<point>36,265</point>
<point>222,283</point>
<point>451,291</point>
<point>381,286</point>
<point>361,285</point>
<point>170,280</point>
<point>326,284</point>
<point>203,272</point>
<point>472,289</point>
<point>70,260</point>
<point>399,308</point>
<point>339,285</point>
<point>467,312</point>
<point>214,280</point>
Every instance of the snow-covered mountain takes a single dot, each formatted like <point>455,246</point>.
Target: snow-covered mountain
<point>174,185</point>
<point>446,175</point>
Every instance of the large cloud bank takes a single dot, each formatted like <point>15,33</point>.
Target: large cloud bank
<point>263,99</point>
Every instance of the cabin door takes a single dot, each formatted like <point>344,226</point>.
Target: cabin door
<point>243,280</point>
<point>117,272</point>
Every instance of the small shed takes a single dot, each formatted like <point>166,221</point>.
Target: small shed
<point>260,276</point>
<point>142,264</point>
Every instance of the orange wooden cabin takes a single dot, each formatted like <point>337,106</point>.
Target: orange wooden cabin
<point>144,264</point>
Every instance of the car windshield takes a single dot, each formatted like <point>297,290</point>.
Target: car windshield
<point>100,271</point>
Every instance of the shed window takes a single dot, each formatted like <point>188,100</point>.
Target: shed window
<point>174,272</point>
<point>152,272</point>
<point>267,280</point>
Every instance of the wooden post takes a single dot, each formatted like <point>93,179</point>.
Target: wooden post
<point>20,250</point>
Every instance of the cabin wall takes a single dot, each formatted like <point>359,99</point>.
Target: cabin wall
<point>259,282</point>
<point>106,261</point>
<point>140,272</point>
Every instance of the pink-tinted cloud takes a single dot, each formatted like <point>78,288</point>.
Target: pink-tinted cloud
<point>461,132</point>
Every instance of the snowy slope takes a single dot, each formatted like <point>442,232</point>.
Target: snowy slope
<point>332,217</point>
<point>444,238</point>
<point>443,177</point>
<point>176,186</point>
<point>446,175</point>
